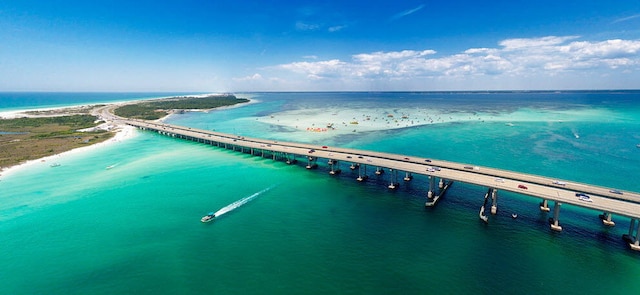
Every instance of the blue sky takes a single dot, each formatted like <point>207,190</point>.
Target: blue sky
<point>188,45</point>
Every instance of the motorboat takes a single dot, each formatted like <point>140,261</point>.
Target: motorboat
<point>209,217</point>
<point>514,215</point>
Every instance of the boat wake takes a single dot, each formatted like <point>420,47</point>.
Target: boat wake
<point>240,202</point>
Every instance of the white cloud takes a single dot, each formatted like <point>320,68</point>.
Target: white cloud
<point>254,77</point>
<point>407,12</point>
<point>624,19</point>
<point>336,28</point>
<point>520,58</point>
<point>302,26</point>
<point>522,43</point>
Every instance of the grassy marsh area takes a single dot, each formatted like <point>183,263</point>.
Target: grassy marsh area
<point>24,139</point>
<point>156,109</point>
<point>45,133</point>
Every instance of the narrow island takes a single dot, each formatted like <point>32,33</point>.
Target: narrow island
<point>36,134</point>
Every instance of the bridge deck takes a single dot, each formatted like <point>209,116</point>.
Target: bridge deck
<point>602,199</point>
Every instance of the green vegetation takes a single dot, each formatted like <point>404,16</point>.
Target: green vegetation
<point>22,124</point>
<point>153,110</point>
<point>56,131</point>
<point>33,138</point>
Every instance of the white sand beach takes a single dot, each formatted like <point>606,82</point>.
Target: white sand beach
<point>122,133</point>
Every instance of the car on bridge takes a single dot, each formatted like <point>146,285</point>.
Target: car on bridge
<point>582,195</point>
<point>522,186</point>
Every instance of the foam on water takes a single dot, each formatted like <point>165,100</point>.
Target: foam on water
<point>239,203</point>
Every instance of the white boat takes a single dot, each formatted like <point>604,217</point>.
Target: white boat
<point>55,165</point>
<point>110,166</point>
<point>209,217</point>
<point>514,216</point>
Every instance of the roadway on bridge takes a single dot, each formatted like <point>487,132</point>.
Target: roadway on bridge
<point>602,199</point>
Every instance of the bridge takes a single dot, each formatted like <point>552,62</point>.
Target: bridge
<point>606,200</point>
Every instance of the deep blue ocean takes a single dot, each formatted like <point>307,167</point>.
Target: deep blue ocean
<point>135,228</point>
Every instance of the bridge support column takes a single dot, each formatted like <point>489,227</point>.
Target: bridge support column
<point>555,222</point>
<point>432,184</point>
<point>311,164</point>
<point>441,183</point>
<point>291,158</point>
<point>544,206</point>
<point>379,171</point>
<point>481,214</point>
<point>393,179</point>
<point>408,176</point>
<point>606,219</point>
<point>633,238</point>
<point>334,170</point>
<point>494,201</point>
<point>362,173</point>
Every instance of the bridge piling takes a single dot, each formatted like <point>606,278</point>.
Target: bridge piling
<point>606,219</point>
<point>311,163</point>
<point>633,238</point>
<point>494,201</point>
<point>408,176</point>
<point>544,206</point>
<point>362,175</point>
<point>393,179</point>
<point>336,170</point>
<point>481,214</point>
<point>379,171</point>
<point>432,181</point>
<point>555,222</point>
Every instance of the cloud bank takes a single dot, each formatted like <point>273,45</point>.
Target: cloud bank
<point>514,61</point>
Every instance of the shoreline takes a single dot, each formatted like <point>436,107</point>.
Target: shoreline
<point>122,132</point>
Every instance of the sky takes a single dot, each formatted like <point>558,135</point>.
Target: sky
<point>241,46</point>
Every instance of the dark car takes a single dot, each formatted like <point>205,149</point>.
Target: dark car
<point>311,151</point>
<point>427,160</point>
<point>522,186</point>
<point>582,195</point>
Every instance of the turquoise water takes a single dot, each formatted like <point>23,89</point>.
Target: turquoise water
<point>134,229</point>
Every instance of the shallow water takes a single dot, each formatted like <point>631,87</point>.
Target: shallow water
<point>81,228</point>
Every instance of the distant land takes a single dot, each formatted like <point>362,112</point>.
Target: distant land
<point>36,134</point>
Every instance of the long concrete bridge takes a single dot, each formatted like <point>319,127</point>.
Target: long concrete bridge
<point>606,200</point>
